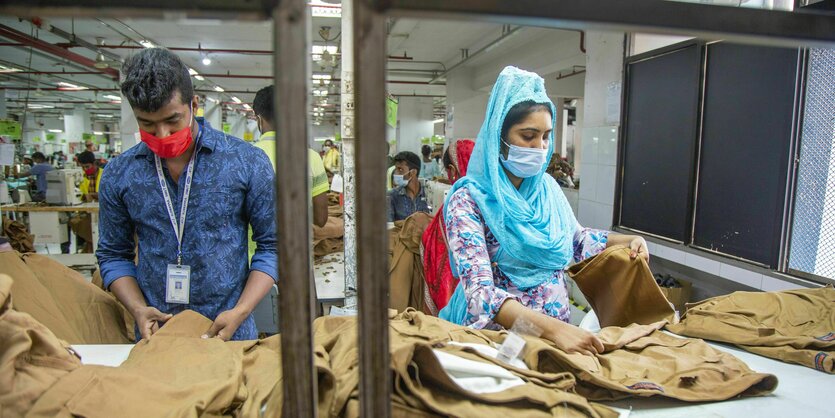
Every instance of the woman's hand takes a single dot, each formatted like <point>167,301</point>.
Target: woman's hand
<point>572,339</point>
<point>639,248</point>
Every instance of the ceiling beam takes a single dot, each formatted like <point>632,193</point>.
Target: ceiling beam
<point>36,43</point>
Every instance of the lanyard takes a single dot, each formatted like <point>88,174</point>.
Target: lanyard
<point>178,227</point>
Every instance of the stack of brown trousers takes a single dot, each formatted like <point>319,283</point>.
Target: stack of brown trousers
<point>62,300</point>
<point>621,290</point>
<point>795,326</point>
<point>406,282</point>
<point>176,374</point>
<point>639,360</point>
<point>31,358</point>
<point>420,387</point>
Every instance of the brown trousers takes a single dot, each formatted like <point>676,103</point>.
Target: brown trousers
<point>62,300</point>
<point>406,262</point>
<point>175,373</point>
<point>31,358</point>
<point>621,290</point>
<point>796,326</point>
<point>639,361</point>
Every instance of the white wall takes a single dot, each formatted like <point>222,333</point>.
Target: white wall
<point>414,115</point>
<point>597,168</point>
<point>644,42</point>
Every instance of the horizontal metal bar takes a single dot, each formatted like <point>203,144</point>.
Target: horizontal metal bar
<point>743,25</point>
<point>241,9</point>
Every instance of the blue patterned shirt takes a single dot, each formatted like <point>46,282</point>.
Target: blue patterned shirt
<point>401,206</point>
<point>232,188</point>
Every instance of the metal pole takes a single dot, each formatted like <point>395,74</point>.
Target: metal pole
<point>296,304</point>
<point>372,148</point>
<point>348,155</point>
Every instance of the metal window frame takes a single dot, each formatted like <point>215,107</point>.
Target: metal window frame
<point>617,215</point>
<point>768,27</point>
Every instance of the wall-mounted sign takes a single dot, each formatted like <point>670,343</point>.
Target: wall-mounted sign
<point>391,112</point>
<point>10,129</point>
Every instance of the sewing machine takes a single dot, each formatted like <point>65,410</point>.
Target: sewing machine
<point>61,187</point>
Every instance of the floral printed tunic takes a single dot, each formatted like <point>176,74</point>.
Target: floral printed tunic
<point>472,250</point>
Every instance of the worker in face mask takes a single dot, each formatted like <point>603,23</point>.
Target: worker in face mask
<point>408,196</point>
<point>510,229</point>
<point>188,193</point>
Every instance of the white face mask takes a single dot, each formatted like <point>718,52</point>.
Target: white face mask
<point>524,162</point>
<point>400,180</point>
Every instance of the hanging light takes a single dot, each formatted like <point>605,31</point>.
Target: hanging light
<point>207,60</point>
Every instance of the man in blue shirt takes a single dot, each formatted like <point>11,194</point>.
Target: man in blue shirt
<point>408,196</point>
<point>38,170</point>
<point>188,192</point>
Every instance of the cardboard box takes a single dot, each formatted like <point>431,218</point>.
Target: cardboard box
<point>678,296</point>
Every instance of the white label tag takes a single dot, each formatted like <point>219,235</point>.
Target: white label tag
<point>177,284</point>
<point>511,347</point>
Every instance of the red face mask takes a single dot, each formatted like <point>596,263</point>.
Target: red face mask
<point>90,171</point>
<point>172,145</point>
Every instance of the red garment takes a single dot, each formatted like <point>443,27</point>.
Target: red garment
<point>440,283</point>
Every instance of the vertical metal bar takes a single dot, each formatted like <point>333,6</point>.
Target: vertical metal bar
<point>370,55</point>
<point>349,154</point>
<point>296,304</point>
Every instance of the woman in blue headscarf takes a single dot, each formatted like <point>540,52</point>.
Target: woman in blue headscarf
<point>510,229</point>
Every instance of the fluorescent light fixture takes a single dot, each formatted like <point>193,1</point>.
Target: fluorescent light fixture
<point>56,131</point>
<point>192,72</point>
<point>213,100</point>
<point>320,93</point>
<point>219,89</point>
<point>6,69</point>
<point>247,107</point>
<point>207,60</point>
<point>70,86</point>
<point>321,76</point>
<point>146,43</point>
<point>438,120</point>
<point>236,100</point>
<point>199,77</point>
<point>98,133</point>
<point>104,115</point>
<point>39,106</point>
<point>320,49</point>
<point>113,97</point>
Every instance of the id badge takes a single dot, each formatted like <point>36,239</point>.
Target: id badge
<point>177,284</point>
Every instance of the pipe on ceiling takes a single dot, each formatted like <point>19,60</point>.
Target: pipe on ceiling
<point>30,41</point>
<point>480,51</point>
<point>76,41</point>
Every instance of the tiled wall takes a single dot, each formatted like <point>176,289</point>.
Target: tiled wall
<point>717,266</point>
<point>597,179</point>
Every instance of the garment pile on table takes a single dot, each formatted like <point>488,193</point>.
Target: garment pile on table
<point>19,237</point>
<point>61,299</point>
<point>328,239</point>
<point>795,326</point>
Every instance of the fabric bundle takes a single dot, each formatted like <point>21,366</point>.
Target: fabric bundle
<point>795,326</point>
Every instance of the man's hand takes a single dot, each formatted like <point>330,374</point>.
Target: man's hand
<point>148,320</point>
<point>226,324</point>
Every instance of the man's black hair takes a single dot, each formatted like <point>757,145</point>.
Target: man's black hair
<point>410,158</point>
<point>263,103</point>
<point>86,157</point>
<point>151,78</point>
<point>38,156</point>
<point>426,150</point>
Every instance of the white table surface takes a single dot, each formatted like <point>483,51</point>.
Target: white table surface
<point>329,274</point>
<point>802,392</point>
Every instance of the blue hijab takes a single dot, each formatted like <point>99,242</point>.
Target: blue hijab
<point>534,225</point>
